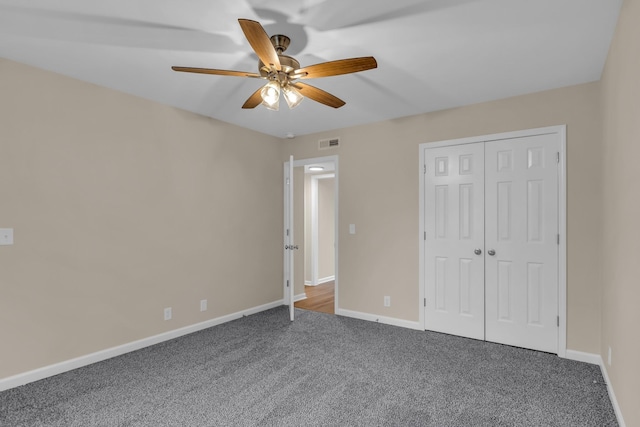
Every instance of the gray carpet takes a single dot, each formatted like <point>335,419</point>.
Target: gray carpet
<point>322,370</point>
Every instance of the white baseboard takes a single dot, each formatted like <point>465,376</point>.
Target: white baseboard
<point>612,395</point>
<point>380,319</point>
<point>596,359</point>
<point>320,281</point>
<point>299,297</point>
<point>581,356</point>
<point>78,362</point>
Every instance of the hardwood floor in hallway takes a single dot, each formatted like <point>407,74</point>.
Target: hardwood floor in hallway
<point>319,298</point>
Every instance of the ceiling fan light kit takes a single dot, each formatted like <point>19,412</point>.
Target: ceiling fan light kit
<point>292,96</point>
<point>283,72</point>
<point>270,94</point>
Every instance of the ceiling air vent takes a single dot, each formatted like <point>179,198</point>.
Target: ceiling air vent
<point>325,144</point>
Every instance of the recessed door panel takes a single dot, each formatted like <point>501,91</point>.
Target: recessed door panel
<point>535,274</point>
<point>504,286</point>
<point>466,211</point>
<point>504,210</point>
<point>535,210</point>
<point>441,284</point>
<point>441,208</point>
<point>466,281</point>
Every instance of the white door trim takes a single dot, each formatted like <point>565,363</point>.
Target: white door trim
<point>305,162</point>
<point>288,236</point>
<point>561,130</point>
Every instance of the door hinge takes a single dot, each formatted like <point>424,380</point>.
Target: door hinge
<point>288,181</point>
<point>558,238</point>
<point>287,283</point>
<point>558,321</point>
<point>287,231</point>
<point>425,302</point>
<point>425,235</point>
<point>558,157</point>
<point>424,169</point>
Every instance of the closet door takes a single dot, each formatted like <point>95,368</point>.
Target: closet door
<point>454,240</point>
<point>521,262</point>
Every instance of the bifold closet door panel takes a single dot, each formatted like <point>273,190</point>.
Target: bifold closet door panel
<point>454,241</point>
<point>521,232</point>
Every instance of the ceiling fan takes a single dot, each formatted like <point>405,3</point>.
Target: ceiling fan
<point>283,72</point>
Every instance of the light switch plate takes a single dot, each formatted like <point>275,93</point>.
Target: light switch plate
<point>6,236</point>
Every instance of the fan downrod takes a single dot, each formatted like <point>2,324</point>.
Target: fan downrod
<point>280,42</point>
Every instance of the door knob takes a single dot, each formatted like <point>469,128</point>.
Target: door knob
<point>477,251</point>
<point>491,252</point>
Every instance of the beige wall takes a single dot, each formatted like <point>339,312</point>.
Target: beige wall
<point>326,228</point>
<point>621,212</point>
<point>122,207</point>
<point>378,193</point>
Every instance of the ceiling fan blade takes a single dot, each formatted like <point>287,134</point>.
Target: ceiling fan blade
<point>260,42</point>
<point>336,68</point>
<point>254,100</point>
<point>319,95</point>
<point>216,72</point>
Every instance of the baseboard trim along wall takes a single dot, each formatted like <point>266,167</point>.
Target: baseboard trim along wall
<point>300,297</point>
<point>78,362</point>
<point>320,281</point>
<point>581,356</point>
<point>596,359</point>
<point>380,319</point>
<point>612,395</point>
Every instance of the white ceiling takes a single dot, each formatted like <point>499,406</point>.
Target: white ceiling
<point>432,54</point>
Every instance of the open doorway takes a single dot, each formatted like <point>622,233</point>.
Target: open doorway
<point>319,238</point>
<point>315,207</point>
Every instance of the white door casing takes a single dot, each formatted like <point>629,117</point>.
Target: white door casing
<point>288,238</point>
<point>454,215</point>
<point>521,202</point>
<point>525,220</point>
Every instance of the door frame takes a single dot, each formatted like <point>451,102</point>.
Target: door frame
<point>561,131</point>
<point>302,163</point>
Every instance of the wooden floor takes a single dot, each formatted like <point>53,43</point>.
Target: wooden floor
<point>319,298</point>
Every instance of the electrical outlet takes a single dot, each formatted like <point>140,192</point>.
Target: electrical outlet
<point>203,305</point>
<point>387,301</point>
<point>609,357</point>
<point>6,236</point>
<point>167,313</point>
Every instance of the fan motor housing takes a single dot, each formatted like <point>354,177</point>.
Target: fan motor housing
<point>287,63</point>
